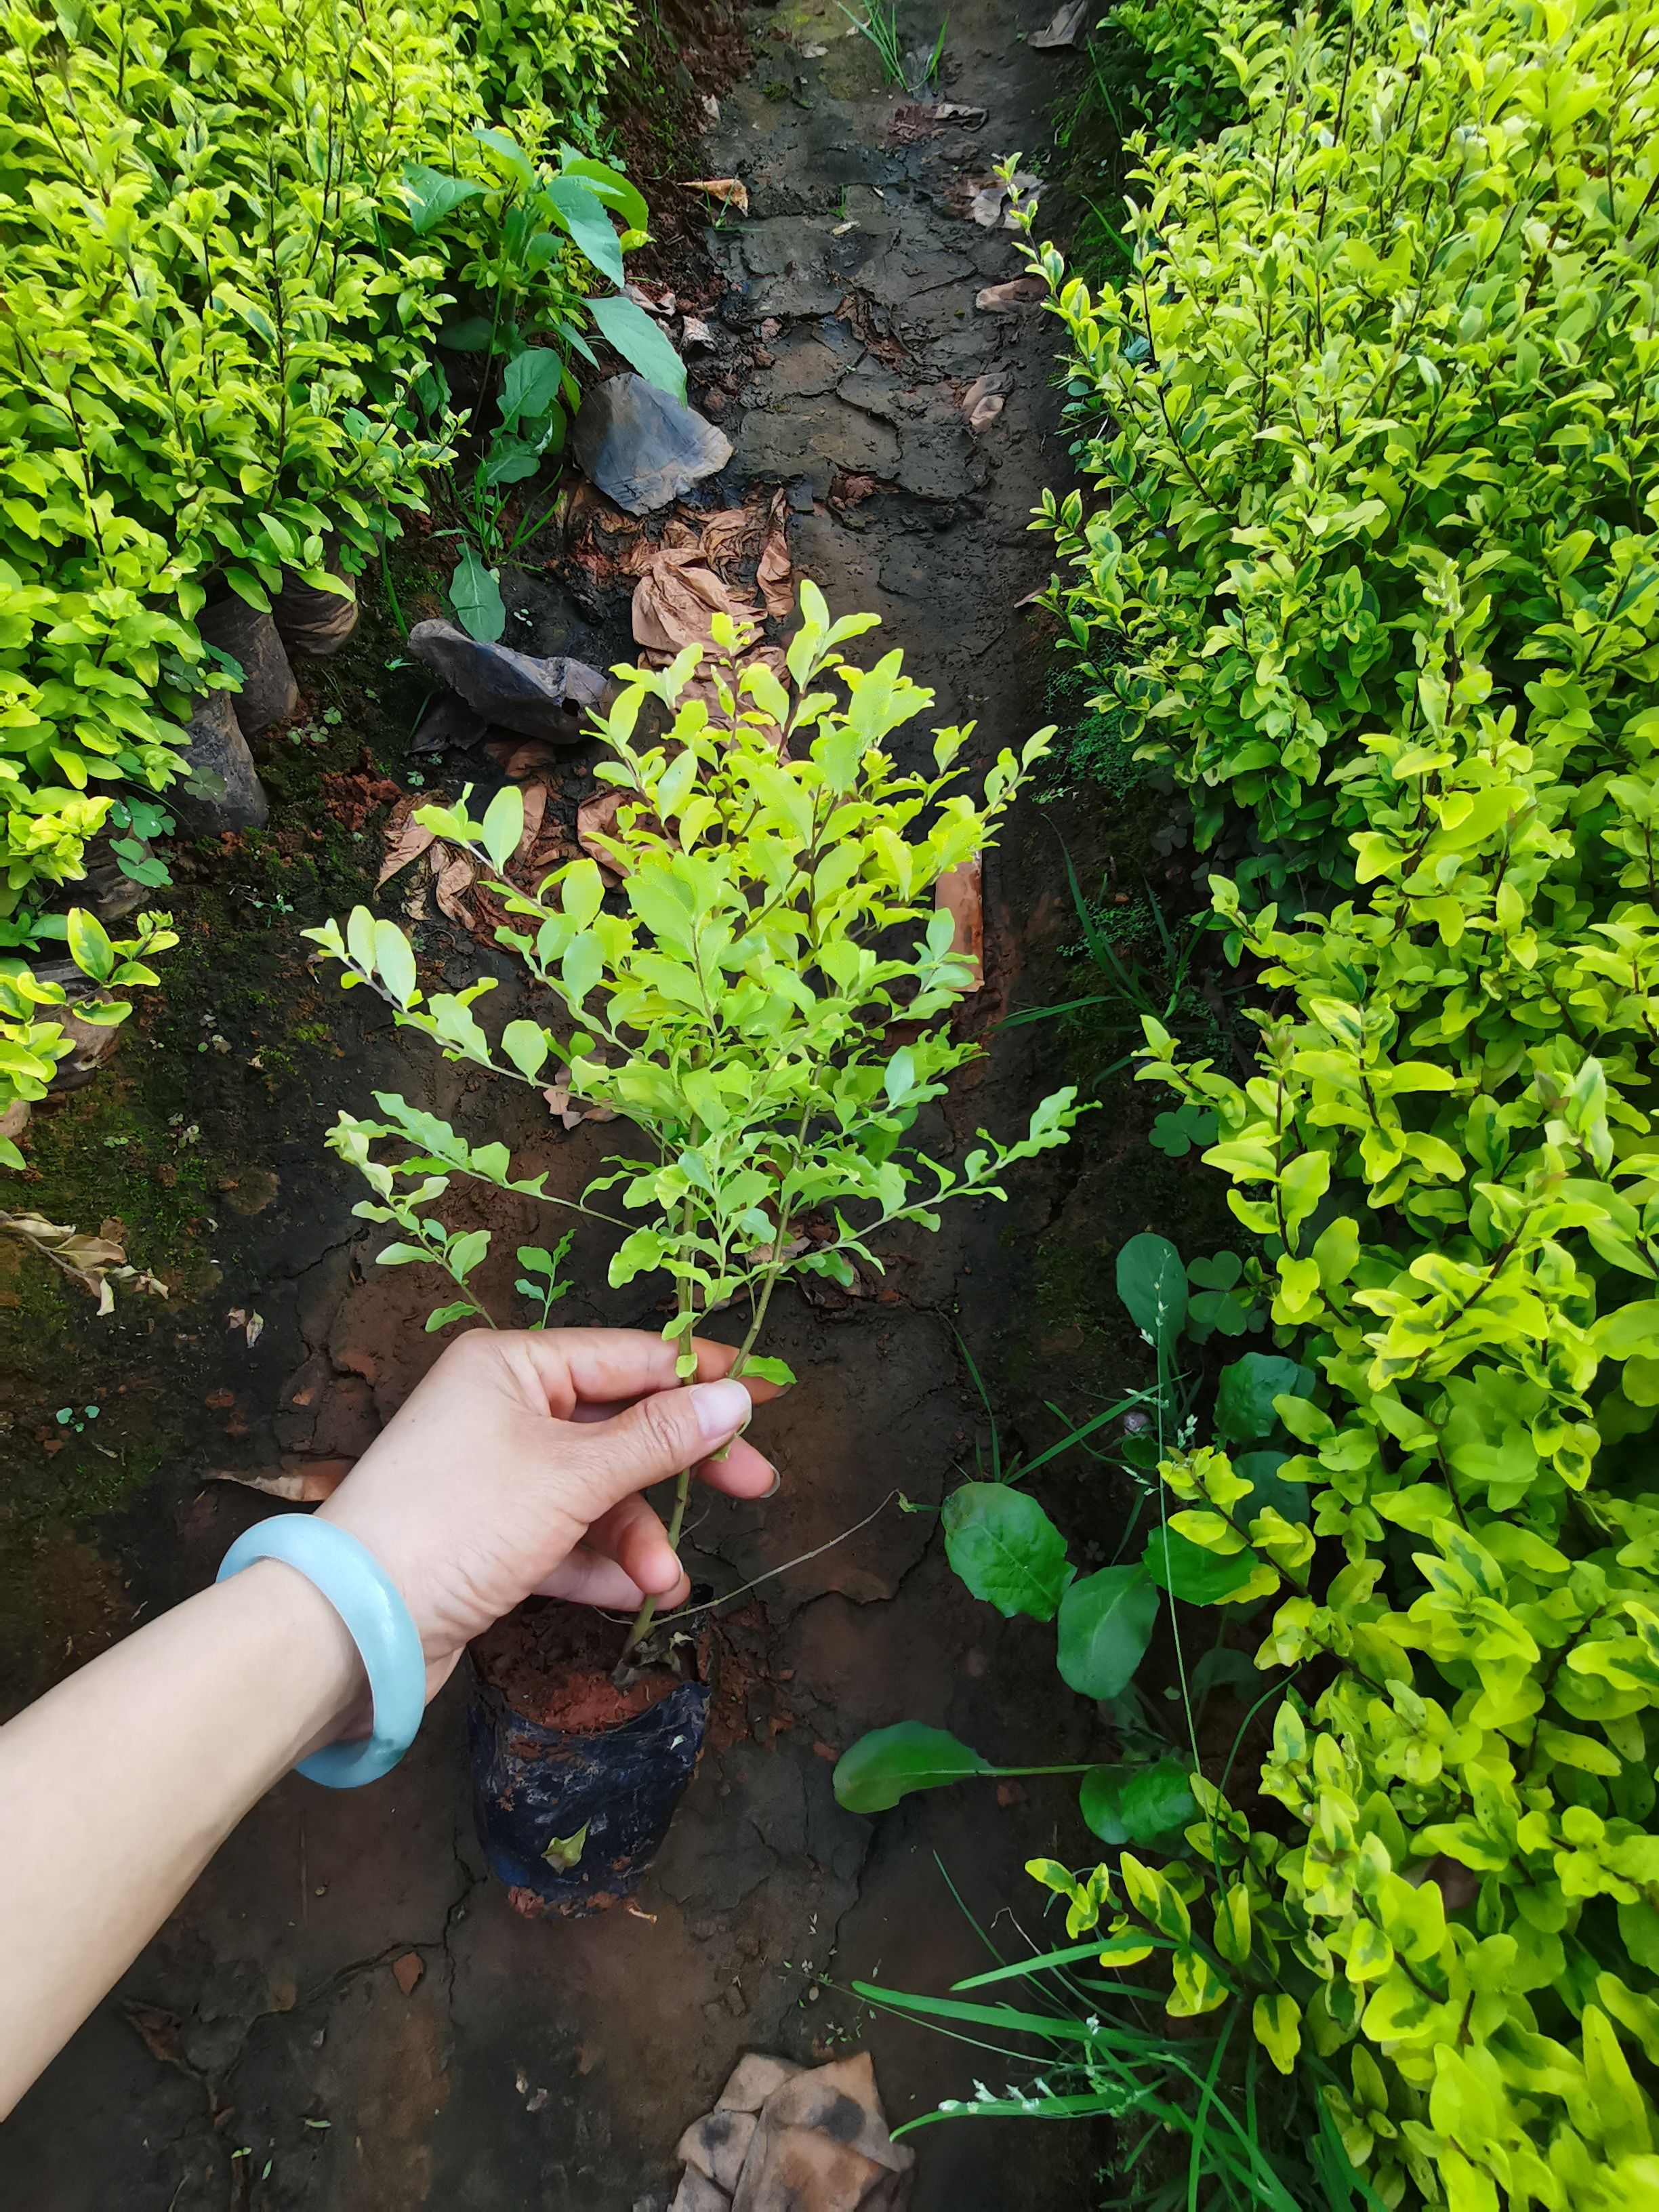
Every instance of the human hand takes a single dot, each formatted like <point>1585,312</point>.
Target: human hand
<point>515,1467</point>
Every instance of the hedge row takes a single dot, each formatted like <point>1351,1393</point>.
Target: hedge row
<point>216,302</point>
<point>1372,564</point>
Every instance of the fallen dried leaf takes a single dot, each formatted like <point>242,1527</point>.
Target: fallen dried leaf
<point>519,758</point>
<point>406,840</point>
<point>407,1970</point>
<point>989,203</point>
<point>251,1324</point>
<point>726,192</point>
<point>596,819</point>
<point>677,599</point>
<point>453,873</point>
<point>1017,292</point>
<point>655,299</point>
<point>693,331</point>
<point>958,893</point>
<point>774,573</point>
<point>95,1262</point>
<point>535,807</point>
<point>986,412</point>
<point>301,1481</point>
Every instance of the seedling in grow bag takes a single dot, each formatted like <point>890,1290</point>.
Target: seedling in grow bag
<point>737,1000</point>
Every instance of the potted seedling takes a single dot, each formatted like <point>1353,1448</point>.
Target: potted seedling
<point>766,998</point>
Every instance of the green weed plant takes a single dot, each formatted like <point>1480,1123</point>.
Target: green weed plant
<point>735,1002</point>
<point>221,285</point>
<point>1371,555</point>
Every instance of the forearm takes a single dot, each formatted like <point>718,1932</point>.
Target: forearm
<point>118,1786</point>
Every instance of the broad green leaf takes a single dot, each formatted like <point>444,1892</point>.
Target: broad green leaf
<point>640,341</point>
<point>768,1371</point>
<point>891,1763</point>
<point>1187,1571</point>
<point>1106,1622</point>
<point>395,961</point>
<point>1005,1549</point>
<point>503,825</point>
<point>432,195</point>
<point>1244,1401</point>
<point>530,387</point>
<point>89,945</point>
<point>1145,1805</point>
<point>611,186</point>
<point>566,1851</point>
<point>477,598</point>
<point>466,1251</point>
<point>441,1316</point>
<point>507,155</point>
<point>578,208</point>
<point>471,334</point>
<point>1152,1283</point>
<point>526,1044</point>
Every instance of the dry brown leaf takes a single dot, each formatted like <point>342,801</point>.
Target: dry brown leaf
<point>677,599</point>
<point>958,893</point>
<point>724,192</point>
<point>774,576</point>
<point>519,758</point>
<point>95,1262</point>
<point>557,1096</point>
<point>596,817</point>
<point>406,840</point>
<point>251,1324</point>
<point>302,1481</point>
<point>535,807</point>
<point>454,874</point>
<point>655,299</point>
<point>1017,292</point>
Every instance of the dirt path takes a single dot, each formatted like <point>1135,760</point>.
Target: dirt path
<point>345,2014</point>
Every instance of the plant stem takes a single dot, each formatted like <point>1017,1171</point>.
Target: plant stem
<point>647,1612</point>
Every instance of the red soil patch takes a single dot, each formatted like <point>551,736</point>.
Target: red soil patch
<point>552,1663</point>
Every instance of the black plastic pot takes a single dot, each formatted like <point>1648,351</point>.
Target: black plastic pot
<point>535,1789</point>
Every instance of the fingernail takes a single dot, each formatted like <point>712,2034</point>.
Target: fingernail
<point>720,1407</point>
<point>777,1485</point>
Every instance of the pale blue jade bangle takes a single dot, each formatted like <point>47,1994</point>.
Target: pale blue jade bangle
<point>366,1598</point>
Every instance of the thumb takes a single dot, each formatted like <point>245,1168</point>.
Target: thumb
<point>658,1437</point>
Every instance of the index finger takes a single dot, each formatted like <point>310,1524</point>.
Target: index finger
<point>596,1368</point>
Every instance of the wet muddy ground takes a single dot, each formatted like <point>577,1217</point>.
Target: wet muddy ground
<point>344,2014</point>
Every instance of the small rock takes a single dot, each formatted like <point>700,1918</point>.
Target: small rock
<point>693,331</point>
<point>643,448</point>
<point>407,1970</point>
<point>514,690</point>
